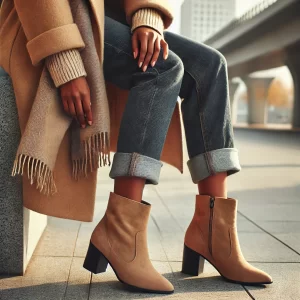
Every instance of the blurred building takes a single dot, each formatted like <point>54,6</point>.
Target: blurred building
<point>202,18</point>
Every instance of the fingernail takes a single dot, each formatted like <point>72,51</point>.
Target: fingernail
<point>145,68</point>
<point>140,64</point>
<point>134,55</point>
<point>165,57</point>
<point>153,63</point>
<point>82,125</point>
<point>90,123</point>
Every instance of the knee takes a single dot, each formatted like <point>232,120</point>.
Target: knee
<point>219,59</point>
<point>172,66</point>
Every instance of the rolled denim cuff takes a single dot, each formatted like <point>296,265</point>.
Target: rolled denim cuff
<point>135,165</point>
<point>213,162</point>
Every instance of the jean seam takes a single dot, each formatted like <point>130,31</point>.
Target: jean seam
<point>202,127</point>
<point>211,164</point>
<point>131,164</point>
<point>148,115</point>
<point>199,111</point>
<point>135,163</point>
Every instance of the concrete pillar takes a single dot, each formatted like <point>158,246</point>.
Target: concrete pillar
<point>293,63</point>
<point>20,229</point>
<point>257,88</point>
<point>233,103</point>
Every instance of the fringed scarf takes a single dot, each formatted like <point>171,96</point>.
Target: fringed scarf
<point>48,123</point>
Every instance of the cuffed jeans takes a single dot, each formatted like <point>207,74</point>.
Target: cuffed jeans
<point>195,72</point>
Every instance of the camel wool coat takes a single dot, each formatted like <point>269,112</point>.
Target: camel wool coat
<point>32,30</point>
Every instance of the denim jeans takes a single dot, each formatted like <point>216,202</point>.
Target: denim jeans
<point>193,71</point>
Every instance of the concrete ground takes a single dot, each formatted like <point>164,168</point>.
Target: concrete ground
<point>268,190</point>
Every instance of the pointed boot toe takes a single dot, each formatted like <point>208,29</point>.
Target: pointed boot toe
<point>165,286</point>
<point>260,277</point>
<point>267,279</point>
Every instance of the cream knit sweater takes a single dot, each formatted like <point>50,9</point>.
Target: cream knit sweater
<point>67,65</point>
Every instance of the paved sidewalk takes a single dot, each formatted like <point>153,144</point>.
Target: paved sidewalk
<point>268,190</point>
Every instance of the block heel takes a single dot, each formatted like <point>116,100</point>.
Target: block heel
<point>95,261</point>
<point>192,263</point>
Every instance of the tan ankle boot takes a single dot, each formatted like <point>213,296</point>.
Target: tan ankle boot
<point>120,239</point>
<point>212,235</point>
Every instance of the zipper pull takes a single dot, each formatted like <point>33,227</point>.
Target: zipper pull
<point>212,202</point>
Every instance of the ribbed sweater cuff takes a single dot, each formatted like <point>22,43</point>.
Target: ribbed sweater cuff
<point>65,66</point>
<point>148,17</point>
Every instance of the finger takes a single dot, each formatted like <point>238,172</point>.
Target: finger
<point>79,111</point>
<point>165,47</point>
<point>87,108</point>
<point>143,50</point>
<point>156,52</point>
<point>72,108</point>
<point>135,45</point>
<point>150,50</point>
<point>65,105</point>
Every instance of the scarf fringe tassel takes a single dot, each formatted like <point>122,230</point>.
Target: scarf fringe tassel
<point>96,154</point>
<point>37,172</point>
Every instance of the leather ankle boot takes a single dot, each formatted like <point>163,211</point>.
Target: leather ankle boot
<point>120,239</point>
<point>212,235</point>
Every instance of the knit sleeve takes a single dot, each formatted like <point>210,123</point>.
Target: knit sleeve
<point>148,17</point>
<point>65,66</point>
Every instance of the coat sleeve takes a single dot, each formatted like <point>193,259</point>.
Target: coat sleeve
<point>164,7</point>
<point>48,26</point>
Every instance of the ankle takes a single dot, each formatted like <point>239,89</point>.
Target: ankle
<point>130,187</point>
<point>215,185</point>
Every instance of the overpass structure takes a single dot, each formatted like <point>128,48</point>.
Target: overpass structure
<point>265,37</point>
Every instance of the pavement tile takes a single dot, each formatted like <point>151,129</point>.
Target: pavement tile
<point>59,238</point>
<point>286,279</point>
<point>83,240</point>
<point>247,227</point>
<point>156,250</point>
<point>261,247</point>
<point>208,285</point>
<point>87,228</point>
<point>287,232</point>
<point>170,232</point>
<point>79,281</point>
<point>45,279</point>
<point>271,212</point>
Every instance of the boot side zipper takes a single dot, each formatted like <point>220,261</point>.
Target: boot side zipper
<point>211,218</point>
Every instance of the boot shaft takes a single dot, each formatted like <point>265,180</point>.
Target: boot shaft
<point>123,221</point>
<point>212,223</point>
<point>223,210</point>
<point>133,216</point>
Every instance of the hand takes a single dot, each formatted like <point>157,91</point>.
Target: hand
<point>76,100</point>
<point>150,42</point>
